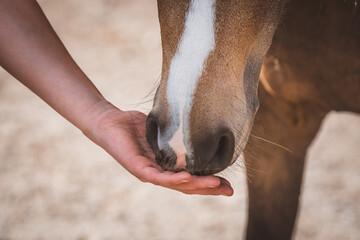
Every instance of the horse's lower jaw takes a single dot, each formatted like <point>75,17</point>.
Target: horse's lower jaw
<point>196,172</point>
<point>205,172</point>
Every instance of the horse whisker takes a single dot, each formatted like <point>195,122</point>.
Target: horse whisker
<point>273,143</point>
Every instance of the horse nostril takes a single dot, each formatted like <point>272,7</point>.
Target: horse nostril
<point>214,153</point>
<point>165,158</point>
<point>152,132</point>
<point>224,148</point>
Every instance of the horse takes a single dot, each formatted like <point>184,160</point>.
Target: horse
<point>253,79</point>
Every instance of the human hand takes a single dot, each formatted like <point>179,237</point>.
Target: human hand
<point>122,135</point>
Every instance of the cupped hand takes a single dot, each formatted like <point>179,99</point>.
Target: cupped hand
<point>122,135</point>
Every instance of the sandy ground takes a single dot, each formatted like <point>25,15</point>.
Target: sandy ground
<point>56,184</point>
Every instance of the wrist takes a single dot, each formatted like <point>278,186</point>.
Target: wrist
<point>94,118</point>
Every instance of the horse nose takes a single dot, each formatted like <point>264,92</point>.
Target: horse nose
<point>211,154</point>
<point>152,132</point>
<point>166,158</point>
<point>214,153</point>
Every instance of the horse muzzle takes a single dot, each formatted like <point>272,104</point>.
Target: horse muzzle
<point>208,154</point>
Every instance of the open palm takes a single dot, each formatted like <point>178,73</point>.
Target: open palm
<point>122,134</point>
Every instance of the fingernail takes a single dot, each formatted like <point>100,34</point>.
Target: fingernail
<point>211,186</point>
<point>229,194</point>
<point>185,181</point>
<point>223,180</point>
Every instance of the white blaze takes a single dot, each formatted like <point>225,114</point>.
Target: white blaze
<point>197,41</point>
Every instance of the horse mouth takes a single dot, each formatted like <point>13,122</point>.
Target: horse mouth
<point>168,165</point>
<point>196,172</point>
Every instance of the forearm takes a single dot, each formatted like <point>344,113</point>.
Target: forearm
<point>31,51</point>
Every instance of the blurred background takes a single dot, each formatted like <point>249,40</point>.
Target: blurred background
<point>56,184</point>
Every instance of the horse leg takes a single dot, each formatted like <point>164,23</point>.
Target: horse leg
<point>274,159</point>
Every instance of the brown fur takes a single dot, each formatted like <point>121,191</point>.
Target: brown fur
<point>243,31</point>
<point>171,18</point>
<point>312,67</point>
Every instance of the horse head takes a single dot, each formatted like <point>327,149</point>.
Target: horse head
<point>205,104</point>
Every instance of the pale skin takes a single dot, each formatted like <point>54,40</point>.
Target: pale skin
<point>32,52</point>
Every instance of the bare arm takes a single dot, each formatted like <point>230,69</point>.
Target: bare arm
<point>31,51</point>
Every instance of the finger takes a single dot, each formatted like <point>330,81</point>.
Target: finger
<point>165,178</point>
<point>223,189</point>
<point>182,181</point>
<point>201,183</point>
<point>198,182</point>
<point>223,180</point>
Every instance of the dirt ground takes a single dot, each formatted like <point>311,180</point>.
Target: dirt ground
<point>56,184</point>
